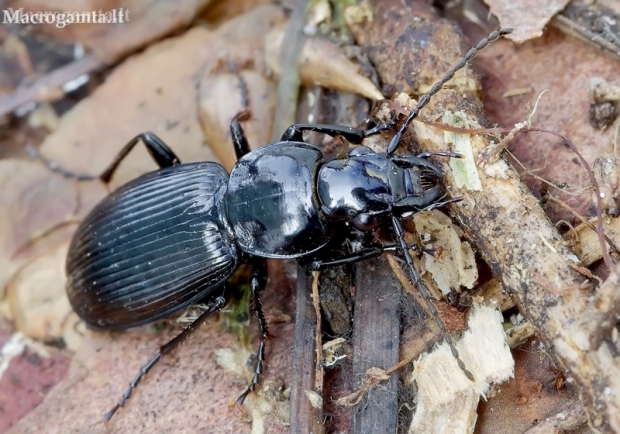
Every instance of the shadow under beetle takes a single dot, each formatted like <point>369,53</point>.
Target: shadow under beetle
<point>174,236</point>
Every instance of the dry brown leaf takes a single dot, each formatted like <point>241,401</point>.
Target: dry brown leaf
<point>322,63</point>
<point>221,100</point>
<point>148,20</point>
<point>39,305</point>
<point>28,378</point>
<point>34,201</point>
<point>564,66</point>
<point>155,92</point>
<point>528,18</point>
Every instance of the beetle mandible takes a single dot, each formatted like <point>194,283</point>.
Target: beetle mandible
<point>174,236</point>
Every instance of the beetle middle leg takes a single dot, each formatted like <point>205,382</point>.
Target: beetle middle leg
<point>366,253</point>
<point>217,304</point>
<point>258,281</point>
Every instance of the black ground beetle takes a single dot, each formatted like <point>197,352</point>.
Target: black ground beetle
<point>174,236</point>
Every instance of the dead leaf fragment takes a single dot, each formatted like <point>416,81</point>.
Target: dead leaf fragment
<point>527,18</point>
<point>322,63</point>
<point>155,91</point>
<point>221,99</point>
<point>38,302</point>
<point>138,22</point>
<point>34,201</point>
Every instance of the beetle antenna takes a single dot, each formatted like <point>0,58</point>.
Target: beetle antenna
<point>217,304</point>
<point>437,86</point>
<point>417,280</point>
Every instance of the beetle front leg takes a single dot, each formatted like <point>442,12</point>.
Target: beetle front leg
<point>258,281</point>
<point>294,133</point>
<point>440,154</point>
<point>217,304</point>
<point>367,253</point>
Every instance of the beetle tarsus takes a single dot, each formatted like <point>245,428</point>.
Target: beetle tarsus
<point>258,282</point>
<point>217,304</point>
<point>54,167</point>
<point>240,141</point>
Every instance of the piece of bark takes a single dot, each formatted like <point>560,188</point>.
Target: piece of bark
<point>376,344</point>
<point>49,86</point>
<point>306,417</point>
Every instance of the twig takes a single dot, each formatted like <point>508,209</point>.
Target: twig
<point>585,221</point>
<point>40,89</point>
<point>491,153</point>
<point>600,230</point>
<point>288,86</point>
<point>318,379</point>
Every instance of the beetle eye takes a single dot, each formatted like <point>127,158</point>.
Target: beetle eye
<point>365,222</point>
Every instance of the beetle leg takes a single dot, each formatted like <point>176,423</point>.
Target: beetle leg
<point>294,133</point>
<point>239,139</point>
<point>217,304</point>
<point>258,282</point>
<point>367,253</point>
<point>161,153</point>
<point>416,247</point>
<point>409,161</point>
<point>417,203</point>
<point>443,203</point>
<point>440,154</point>
<point>54,167</point>
<point>417,281</point>
<point>381,127</point>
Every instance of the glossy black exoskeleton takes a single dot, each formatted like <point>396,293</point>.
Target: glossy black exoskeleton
<point>174,236</point>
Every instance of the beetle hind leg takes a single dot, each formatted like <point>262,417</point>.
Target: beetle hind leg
<point>161,153</point>
<point>258,282</point>
<point>215,306</point>
<point>54,167</point>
